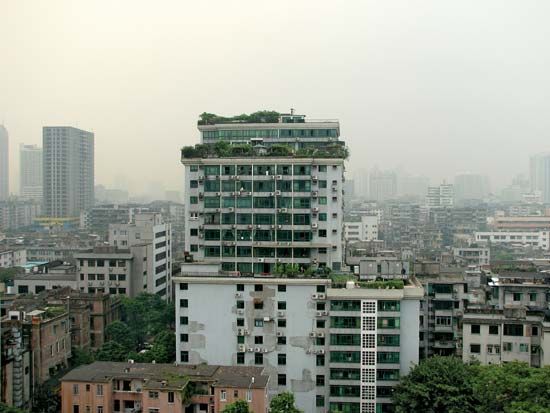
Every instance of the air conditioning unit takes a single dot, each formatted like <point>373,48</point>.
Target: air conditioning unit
<point>278,260</point>
<point>218,210</point>
<point>325,313</point>
<point>258,226</point>
<point>277,193</point>
<point>272,226</point>
<point>240,311</point>
<point>250,349</point>
<point>261,259</point>
<point>235,177</point>
<point>280,334</point>
<point>315,296</point>
<point>321,351</point>
<point>322,296</point>
<point>232,193</point>
<point>279,226</point>
<point>321,335</point>
<point>242,348</point>
<point>249,193</point>
<point>279,177</point>
<point>312,334</point>
<point>201,235</point>
<point>265,350</point>
<point>272,194</point>
<point>320,313</point>
<point>201,195</point>
<point>201,178</point>
<point>314,194</point>
<point>238,295</point>
<point>314,225</point>
<point>267,319</point>
<point>273,177</point>
<point>314,178</point>
<point>257,350</point>
<point>308,351</point>
<point>283,210</point>
<point>233,226</point>
<point>315,261</point>
<point>246,332</point>
<point>231,209</point>
<point>240,331</point>
<point>280,313</point>
<point>315,209</point>
<point>217,177</point>
<point>250,227</point>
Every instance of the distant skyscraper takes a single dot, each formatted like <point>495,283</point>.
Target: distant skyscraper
<point>440,196</point>
<point>382,185</point>
<point>68,171</point>
<point>4,164</point>
<point>471,186</point>
<point>30,172</point>
<point>540,175</point>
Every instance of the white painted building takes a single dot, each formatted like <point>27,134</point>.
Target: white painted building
<point>535,239</point>
<point>440,196</point>
<point>13,258</point>
<point>364,230</point>
<point>30,172</point>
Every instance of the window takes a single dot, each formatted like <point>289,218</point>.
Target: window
<point>475,329</point>
<point>532,296</point>
<point>240,287</point>
<point>258,358</point>
<point>281,322</point>
<point>99,389</point>
<point>240,358</point>
<point>184,338</point>
<point>99,409</point>
<point>281,288</point>
<point>320,360</point>
<point>240,322</point>
<point>281,340</point>
<point>170,397</point>
<point>223,395</point>
<point>281,305</point>
<point>281,379</point>
<point>513,330</point>
<point>320,401</point>
<point>153,394</point>
<point>534,331</point>
<point>258,322</point>
<point>475,348</point>
<point>320,380</point>
<point>517,296</point>
<point>493,329</point>
<point>240,304</point>
<point>258,305</point>
<point>184,355</point>
<point>184,321</point>
<point>258,287</point>
<point>184,303</point>
<point>320,323</point>
<point>281,359</point>
<point>258,340</point>
<point>75,388</point>
<point>507,346</point>
<point>76,408</point>
<point>523,347</point>
<point>249,396</point>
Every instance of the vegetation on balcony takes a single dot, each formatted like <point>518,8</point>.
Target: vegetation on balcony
<point>387,284</point>
<point>223,149</point>
<point>295,271</point>
<point>262,116</point>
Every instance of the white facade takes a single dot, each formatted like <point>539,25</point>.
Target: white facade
<point>540,175</point>
<point>538,239</point>
<point>440,196</point>
<point>13,258</point>
<point>30,172</point>
<point>472,256</point>
<point>253,213</point>
<point>364,230</point>
<point>150,230</point>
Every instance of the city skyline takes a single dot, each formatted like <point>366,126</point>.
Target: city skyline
<point>405,97</point>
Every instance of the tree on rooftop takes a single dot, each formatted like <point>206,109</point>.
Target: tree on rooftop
<point>240,406</point>
<point>283,403</point>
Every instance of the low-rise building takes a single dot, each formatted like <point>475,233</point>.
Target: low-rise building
<point>513,333</point>
<point>535,239</point>
<point>472,256</point>
<point>366,229</point>
<point>12,257</point>
<point>108,387</point>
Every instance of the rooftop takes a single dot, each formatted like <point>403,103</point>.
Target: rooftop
<point>173,376</point>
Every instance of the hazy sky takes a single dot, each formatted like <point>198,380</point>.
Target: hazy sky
<point>436,87</point>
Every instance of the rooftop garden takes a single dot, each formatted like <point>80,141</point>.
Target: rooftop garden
<point>262,116</point>
<point>340,280</point>
<point>223,149</point>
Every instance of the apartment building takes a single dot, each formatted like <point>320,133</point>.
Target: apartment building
<point>535,239</point>
<point>98,218</point>
<point>68,171</point>
<point>12,257</point>
<point>30,172</point>
<point>17,214</point>
<point>440,196</point>
<point>521,223</point>
<point>364,230</point>
<point>150,240</point>
<point>512,333</point>
<point>276,200</point>
<point>308,334</point>
<point>472,256</point>
<point>4,164</point>
<point>107,387</point>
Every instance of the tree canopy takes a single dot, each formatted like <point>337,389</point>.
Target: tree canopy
<point>240,406</point>
<point>446,384</point>
<point>283,403</point>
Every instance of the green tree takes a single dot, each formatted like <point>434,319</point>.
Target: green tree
<point>46,399</point>
<point>80,357</point>
<point>512,388</point>
<point>4,408</point>
<point>111,351</point>
<point>121,333</point>
<point>240,406</point>
<point>436,385</point>
<point>7,274</point>
<point>283,403</point>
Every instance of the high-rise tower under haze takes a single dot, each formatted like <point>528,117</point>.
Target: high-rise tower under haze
<point>4,164</point>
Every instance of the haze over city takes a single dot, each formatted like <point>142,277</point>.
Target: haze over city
<point>433,87</point>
